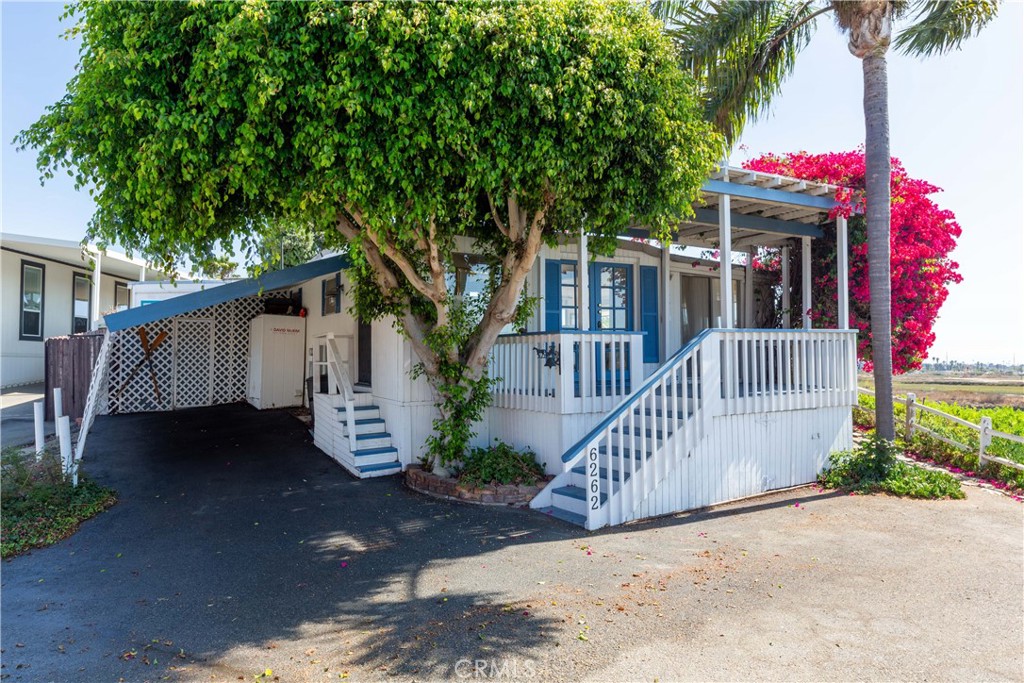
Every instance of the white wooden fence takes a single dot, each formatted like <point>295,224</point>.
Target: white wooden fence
<point>912,423</point>
<point>566,372</point>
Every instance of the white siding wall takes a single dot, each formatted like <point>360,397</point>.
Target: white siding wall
<point>407,405</point>
<point>21,362</point>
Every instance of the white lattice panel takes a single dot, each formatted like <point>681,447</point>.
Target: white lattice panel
<point>221,379</point>
<point>193,360</point>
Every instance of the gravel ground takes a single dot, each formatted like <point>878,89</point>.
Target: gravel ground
<point>238,548</point>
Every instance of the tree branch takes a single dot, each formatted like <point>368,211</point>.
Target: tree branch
<point>494,215</point>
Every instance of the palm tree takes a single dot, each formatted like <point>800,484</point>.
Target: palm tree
<point>741,51</point>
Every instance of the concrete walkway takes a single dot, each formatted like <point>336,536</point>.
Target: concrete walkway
<point>17,426</point>
<point>237,547</point>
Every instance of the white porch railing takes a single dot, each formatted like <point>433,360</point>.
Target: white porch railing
<point>720,372</point>
<point>338,364</point>
<point>771,370</point>
<point>566,372</point>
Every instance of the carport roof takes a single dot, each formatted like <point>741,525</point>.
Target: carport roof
<point>267,282</point>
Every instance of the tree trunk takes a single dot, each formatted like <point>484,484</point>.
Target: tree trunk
<point>878,175</point>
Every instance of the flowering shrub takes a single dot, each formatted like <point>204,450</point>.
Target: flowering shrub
<point>922,236</point>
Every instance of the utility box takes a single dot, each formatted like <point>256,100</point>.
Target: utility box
<point>277,346</point>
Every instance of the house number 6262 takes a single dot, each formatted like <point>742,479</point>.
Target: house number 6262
<point>595,497</point>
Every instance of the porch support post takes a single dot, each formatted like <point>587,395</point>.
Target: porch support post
<point>583,280</point>
<point>748,290</point>
<point>142,273</point>
<point>843,271</point>
<point>787,321</point>
<point>96,291</point>
<point>725,259</point>
<point>805,279</point>
<point>666,260</point>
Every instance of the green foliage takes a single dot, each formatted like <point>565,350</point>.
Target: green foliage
<point>742,52</point>
<point>394,129</point>
<point>872,467</point>
<point>38,504</point>
<point>198,123</point>
<point>500,464</point>
<point>1004,419</point>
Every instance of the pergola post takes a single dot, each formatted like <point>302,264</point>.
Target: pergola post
<point>96,272</point>
<point>583,284</point>
<point>666,254</point>
<point>843,271</point>
<point>748,290</point>
<point>787,321</point>
<point>805,280</point>
<point>725,259</point>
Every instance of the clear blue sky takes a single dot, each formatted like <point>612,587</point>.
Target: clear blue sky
<point>956,121</point>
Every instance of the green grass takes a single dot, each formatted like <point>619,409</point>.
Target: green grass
<point>38,504</point>
<point>872,467</point>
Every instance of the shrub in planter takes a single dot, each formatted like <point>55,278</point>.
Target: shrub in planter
<point>499,464</point>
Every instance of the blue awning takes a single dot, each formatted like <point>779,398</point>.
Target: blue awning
<point>268,282</point>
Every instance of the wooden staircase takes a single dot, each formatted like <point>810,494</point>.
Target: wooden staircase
<point>373,455</point>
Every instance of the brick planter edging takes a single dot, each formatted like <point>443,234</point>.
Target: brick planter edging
<point>505,494</point>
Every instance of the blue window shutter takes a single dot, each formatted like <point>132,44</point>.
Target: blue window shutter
<point>337,292</point>
<point>649,311</point>
<point>323,297</point>
<point>594,282</point>
<point>552,296</point>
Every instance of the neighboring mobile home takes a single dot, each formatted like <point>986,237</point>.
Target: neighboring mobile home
<point>53,288</point>
<point>638,390</point>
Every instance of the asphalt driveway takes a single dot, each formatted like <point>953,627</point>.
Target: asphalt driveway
<point>238,547</point>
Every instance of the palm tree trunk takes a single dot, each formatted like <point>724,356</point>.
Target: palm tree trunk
<point>878,174</point>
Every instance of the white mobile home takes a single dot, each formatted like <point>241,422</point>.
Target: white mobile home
<point>638,389</point>
<point>53,288</point>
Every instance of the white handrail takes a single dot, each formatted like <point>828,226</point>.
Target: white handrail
<point>672,402</point>
<point>340,372</point>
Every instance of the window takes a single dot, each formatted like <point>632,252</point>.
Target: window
<point>122,297</point>
<point>330,301</point>
<point>569,285</point>
<point>81,301</point>
<point>614,297</point>
<point>32,280</point>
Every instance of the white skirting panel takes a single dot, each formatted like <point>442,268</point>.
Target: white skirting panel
<point>410,424</point>
<point>745,455</point>
<point>548,435</point>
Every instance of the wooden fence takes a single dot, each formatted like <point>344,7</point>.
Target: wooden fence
<point>912,423</point>
<point>69,363</point>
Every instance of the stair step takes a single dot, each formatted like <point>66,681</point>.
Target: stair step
<point>379,467</point>
<point>576,493</point>
<point>370,406</point>
<point>636,432</point>
<point>615,452</point>
<point>373,435</point>
<point>366,452</point>
<point>364,421</point>
<point>603,473</point>
<point>564,515</point>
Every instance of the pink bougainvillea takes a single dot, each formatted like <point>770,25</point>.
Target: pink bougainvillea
<point>922,236</point>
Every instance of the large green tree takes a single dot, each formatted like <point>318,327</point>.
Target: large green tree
<point>394,128</point>
<point>742,51</point>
